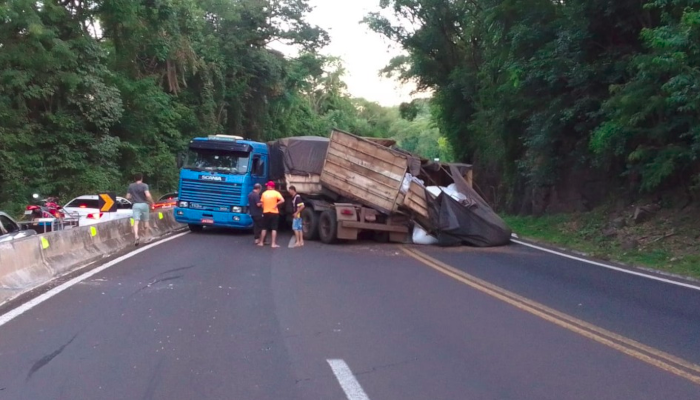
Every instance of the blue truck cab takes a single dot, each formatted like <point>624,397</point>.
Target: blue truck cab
<point>216,177</point>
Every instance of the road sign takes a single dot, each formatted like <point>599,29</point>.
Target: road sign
<point>108,202</point>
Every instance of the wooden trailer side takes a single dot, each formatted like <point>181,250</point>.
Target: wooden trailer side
<point>364,171</point>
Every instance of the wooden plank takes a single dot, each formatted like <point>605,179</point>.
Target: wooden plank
<point>360,191</point>
<point>380,141</point>
<point>369,148</point>
<point>365,159</point>
<point>304,184</point>
<point>389,180</point>
<point>365,186</point>
<point>415,200</point>
<point>375,161</point>
<point>364,171</point>
<point>375,152</point>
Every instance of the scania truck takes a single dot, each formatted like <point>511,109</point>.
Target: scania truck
<point>216,176</point>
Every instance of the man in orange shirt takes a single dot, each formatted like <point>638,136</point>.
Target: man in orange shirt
<point>271,200</point>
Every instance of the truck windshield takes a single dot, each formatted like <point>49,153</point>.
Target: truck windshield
<point>222,162</point>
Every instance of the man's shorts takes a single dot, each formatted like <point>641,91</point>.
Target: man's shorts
<point>297,224</point>
<point>271,221</point>
<point>141,212</point>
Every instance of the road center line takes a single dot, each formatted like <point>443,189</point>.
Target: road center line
<point>16,312</point>
<point>649,355</point>
<point>347,380</point>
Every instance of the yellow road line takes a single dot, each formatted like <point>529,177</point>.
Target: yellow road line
<point>625,345</point>
<point>563,316</point>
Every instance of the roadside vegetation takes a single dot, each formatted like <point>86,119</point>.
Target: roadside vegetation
<point>92,91</point>
<point>563,107</point>
<point>558,103</point>
<point>668,241</point>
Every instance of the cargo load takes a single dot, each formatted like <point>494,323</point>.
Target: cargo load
<point>298,161</point>
<point>352,185</point>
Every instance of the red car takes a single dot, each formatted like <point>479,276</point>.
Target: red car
<point>167,201</point>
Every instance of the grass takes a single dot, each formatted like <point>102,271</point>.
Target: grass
<point>668,244</point>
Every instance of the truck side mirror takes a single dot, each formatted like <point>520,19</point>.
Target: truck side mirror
<point>180,160</point>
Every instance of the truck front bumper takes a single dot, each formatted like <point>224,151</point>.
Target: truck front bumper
<point>220,219</point>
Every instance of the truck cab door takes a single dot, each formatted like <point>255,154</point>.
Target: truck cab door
<point>259,172</point>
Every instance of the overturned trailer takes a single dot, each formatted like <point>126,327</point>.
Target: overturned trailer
<point>334,177</point>
<point>352,185</point>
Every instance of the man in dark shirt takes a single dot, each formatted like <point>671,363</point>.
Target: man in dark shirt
<point>256,211</point>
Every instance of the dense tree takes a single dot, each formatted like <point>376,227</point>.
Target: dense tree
<point>92,91</point>
<point>549,97</point>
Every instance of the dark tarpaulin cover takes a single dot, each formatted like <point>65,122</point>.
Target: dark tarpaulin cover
<point>302,155</point>
<point>454,224</point>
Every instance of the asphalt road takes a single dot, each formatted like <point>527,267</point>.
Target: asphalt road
<point>209,316</point>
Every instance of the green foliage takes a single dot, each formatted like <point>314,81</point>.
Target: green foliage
<point>532,90</point>
<point>94,91</point>
<point>653,117</point>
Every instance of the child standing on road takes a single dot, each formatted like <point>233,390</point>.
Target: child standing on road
<point>297,225</point>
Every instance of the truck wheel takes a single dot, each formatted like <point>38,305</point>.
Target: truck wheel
<point>328,227</point>
<point>195,228</point>
<point>309,220</point>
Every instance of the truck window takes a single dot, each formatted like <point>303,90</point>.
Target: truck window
<point>258,166</point>
<point>9,226</point>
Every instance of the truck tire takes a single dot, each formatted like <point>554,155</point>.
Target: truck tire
<point>309,219</point>
<point>328,227</point>
<point>195,228</point>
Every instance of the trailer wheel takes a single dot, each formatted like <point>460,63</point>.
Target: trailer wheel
<point>195,228</point>
<point>328,227</point>
<point>309,220</point>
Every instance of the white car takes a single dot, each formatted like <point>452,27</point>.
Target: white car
<point>88,208</point>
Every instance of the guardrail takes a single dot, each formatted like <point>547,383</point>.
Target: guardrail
<point>28,263</point>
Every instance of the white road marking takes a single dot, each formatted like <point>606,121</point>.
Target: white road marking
<point>627,271</point>
<point>347,380</point>
<point>16,312</point>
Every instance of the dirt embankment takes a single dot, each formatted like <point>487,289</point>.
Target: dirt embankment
<point>644,234</point>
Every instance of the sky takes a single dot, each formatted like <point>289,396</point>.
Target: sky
<point>363,52</point>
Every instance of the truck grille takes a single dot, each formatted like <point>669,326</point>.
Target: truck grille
<point>210,194</point>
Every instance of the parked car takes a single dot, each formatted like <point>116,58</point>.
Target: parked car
<point>10,229</point>
<point>88,208</point>
<point>166,201</point>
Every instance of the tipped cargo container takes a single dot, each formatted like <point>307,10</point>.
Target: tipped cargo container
<point>351,189</point>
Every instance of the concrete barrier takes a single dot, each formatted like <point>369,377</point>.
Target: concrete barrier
<point>28,263</point>
<point>111,235</point>
<point>65,249</point>
<point>22,264</point>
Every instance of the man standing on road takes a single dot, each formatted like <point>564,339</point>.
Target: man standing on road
<point>256,211</point>
<point>140,196</point>
<point>271,200</point>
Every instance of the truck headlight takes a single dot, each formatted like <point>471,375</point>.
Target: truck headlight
<point>183,204</point>
<point>237,209</point>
